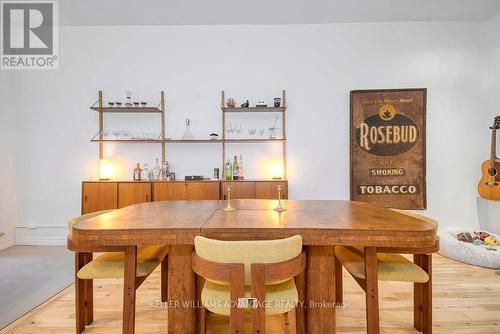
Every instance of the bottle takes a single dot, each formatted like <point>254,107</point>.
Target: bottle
<point>156,170</point>
<point>137,173</point>
<point>241,171</point>
<point>165,170</point>
<point>236,168</point>
<point>228,170</point>
<point>145,172</point>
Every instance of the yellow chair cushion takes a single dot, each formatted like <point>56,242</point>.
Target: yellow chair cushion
<point>248,252</point>
<point>280,298</point>
<point>111,265</point>
<point>391,267</point>
<point>82,217</point>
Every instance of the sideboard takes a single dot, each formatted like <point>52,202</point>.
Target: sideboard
<point>105,195</point>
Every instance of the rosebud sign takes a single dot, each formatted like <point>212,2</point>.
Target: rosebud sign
<point>387,147</point>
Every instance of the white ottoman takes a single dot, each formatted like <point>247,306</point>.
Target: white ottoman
<point>468,253</point>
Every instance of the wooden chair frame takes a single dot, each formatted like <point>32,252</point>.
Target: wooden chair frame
<point>84,296</point>
<point>422,299</point>
<point>261,273</point>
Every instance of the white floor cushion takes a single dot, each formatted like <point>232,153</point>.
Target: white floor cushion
<point>468,252</point>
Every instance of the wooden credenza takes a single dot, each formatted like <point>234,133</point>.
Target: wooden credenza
<point>105,195</point>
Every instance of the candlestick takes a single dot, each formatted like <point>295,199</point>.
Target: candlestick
<point>280,207</point>
<point>228,208</point>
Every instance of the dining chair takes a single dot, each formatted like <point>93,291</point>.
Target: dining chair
<point>111,264</point>
<point>265,277</point>
<point>390,267</point>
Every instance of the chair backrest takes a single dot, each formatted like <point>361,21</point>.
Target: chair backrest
<point>86,216</point>
<point>248,252</point>
<point>418,216</point>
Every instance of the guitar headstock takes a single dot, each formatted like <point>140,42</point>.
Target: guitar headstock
<point>496,123</point>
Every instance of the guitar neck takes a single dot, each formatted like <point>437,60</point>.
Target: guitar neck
<point>493,155</point>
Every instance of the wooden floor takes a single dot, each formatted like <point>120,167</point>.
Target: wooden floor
<point>466,300</point>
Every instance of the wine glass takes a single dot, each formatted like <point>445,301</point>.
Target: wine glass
<point>229,129</point>
<point>252,132</point>
<point>238,128</point>
<point>261,132</point>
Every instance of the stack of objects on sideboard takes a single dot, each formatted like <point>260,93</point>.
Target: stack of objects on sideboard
<point>105,195</point>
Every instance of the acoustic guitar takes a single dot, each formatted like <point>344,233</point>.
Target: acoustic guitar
<point>489,186</point>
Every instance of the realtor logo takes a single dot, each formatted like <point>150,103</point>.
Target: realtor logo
<point>29,35</point>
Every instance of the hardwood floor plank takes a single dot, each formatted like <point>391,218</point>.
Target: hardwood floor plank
<point>465,301</point>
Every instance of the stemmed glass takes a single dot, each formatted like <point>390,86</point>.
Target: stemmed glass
<point>229,129</point>
<point>252,132</point>
<point>261,132</point>
<point>237,128</point>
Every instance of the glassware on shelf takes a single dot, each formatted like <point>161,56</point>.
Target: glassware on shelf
<point>145,172</point>
<point>128,94</point>
<point>117,134</point>
<point>188,135</point>
<point>261,132</point>
<point>111,104</point>
<point>252,132</point>
<point>230,129</point>
<point>238,129</point>
<point>157,170</point>
<point>126,134</point>
<point>165,171</point>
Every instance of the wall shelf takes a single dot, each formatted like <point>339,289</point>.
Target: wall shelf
<point>139,110</point>
<point>253,109</point>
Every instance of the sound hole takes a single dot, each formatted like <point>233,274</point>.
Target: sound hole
<point>492,171</point>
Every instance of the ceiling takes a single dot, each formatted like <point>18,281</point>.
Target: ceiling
<point>208,12</point>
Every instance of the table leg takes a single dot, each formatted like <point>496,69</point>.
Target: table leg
<point>371,281</point>
<point>320,289</point>
<point>181,291</point>
<point>426,264</point>
<point>80,292</point>
<point>417,297</point>
<point>129,290</point>
<point>89,295</point>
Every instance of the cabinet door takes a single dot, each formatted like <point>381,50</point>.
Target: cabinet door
<point>169,191</point>
<point>133,193</point>
<point>202,190</point>
<point>97,196</point>
<point>239,189</point>
<point>269,190</point>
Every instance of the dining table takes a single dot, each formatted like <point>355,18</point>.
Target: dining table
<point>323,224</point>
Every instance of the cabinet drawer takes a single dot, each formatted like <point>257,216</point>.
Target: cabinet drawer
<point>269,190</point>
<point>97,196</point>
<point>170,191</point>
<point>239,189</point>
<point>133,193</point>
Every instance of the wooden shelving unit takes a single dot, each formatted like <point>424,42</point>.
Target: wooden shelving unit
<point>160,109</point>
<point>249,110</point>
<point>101,109</point>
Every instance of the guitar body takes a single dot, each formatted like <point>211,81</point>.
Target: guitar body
<point>489,185</point>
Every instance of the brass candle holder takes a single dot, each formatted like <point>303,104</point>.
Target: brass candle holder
<point>228,208</point>
<point>280,207</point>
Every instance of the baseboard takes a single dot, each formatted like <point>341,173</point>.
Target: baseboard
<point>52,236</point>
<point>7,240</point>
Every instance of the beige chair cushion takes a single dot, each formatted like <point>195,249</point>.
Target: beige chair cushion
<point>391,267</point>
<point>280,298</point>
<point>248,252</point>
<point>82,217</point>
<point>111,265</point>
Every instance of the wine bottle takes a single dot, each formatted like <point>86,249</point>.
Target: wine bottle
<point>228,170</point>
<point>241,170</point>
<point>236,168</point>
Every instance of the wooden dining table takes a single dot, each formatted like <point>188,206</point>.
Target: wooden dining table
<point>323,224</point>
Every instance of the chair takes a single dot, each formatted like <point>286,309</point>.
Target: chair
<point>390,267</point>
<point>110,265</point>
<point>255,275</point>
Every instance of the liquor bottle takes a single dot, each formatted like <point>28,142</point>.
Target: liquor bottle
<point>156,170</point>
<point>228,170</point>
<point>137,172</point>
<point>236,168</point>
<point>241,171</point>
<point>165,171</point>
<point>145,172</point>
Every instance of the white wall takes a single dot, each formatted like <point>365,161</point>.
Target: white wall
<point>317,64</point>
<point>7,160</point>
